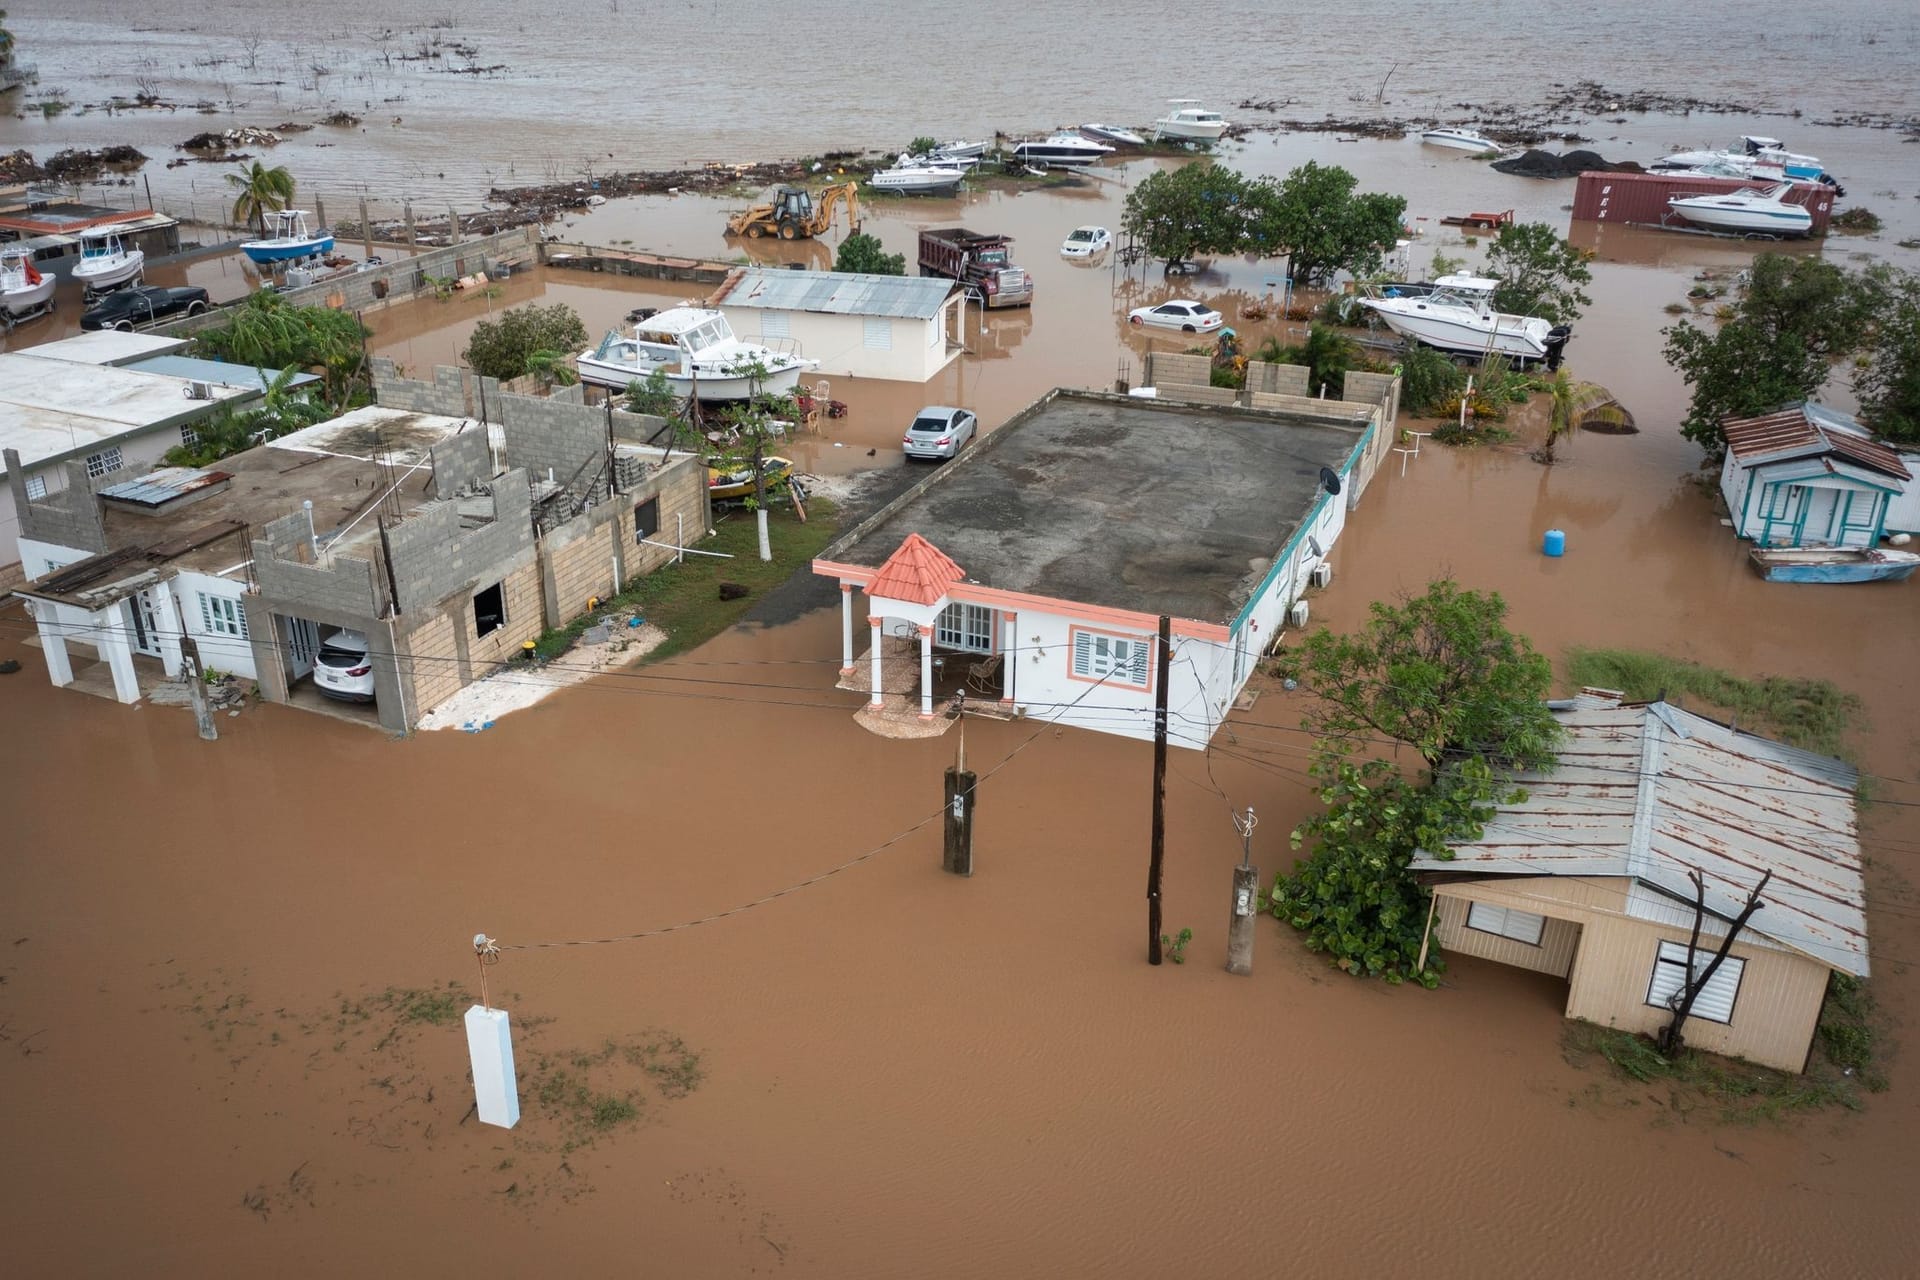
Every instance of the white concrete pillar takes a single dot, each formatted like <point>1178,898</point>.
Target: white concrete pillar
<point>846,628</point>
<point>496,1092</point>
<point>116,650</point>
<point>926,673</point>
<point>873,625</point>
<point>53,644</point>
<point>1010,659</point>
<point>168,625</point>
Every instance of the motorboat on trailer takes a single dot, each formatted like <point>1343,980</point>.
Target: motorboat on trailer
<point>107,262</point>
<point>288,239</point>
<point>1747,212</point>
<point>914,176</point>
<point>1460,140</point>
<point>1188,121</point>
<point>1061,151</point>
<point>695,350</point>
<point>1459,317</point>
<point>25,290</point>
<point>1113,133</point>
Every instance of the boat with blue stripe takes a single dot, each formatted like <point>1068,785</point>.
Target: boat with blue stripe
<point>288,240</point>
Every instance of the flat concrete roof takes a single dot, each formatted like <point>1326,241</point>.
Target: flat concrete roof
<point>53,408</point>
<point>224,372</point>
<point>1119,503</point>
<point>373,433</point>
<point>109,346</point>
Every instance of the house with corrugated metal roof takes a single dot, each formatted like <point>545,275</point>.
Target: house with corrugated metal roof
<point>1590,878</point>
<point>1811,476</point>
<point>903,328</point>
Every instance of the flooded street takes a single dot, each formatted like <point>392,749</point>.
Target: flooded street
<point>217,1044</point>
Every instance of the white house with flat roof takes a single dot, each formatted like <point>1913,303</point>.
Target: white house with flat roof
<point>903,328</point>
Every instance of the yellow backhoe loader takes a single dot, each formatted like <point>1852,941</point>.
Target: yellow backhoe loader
<point>796,214</point>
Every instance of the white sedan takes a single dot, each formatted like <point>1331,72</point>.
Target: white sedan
<point>1182,313</point>
<point>1085,242</point>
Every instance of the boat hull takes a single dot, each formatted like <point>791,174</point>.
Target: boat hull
<point>1058,158</point>
<point>918,182</point>
<point>105,273</point>
<point>1744,221</point>
<point>1113,133</point>
<point>286,250</point>
<point>1447,330</point>
<point>1460,142</point>
<point>617,375</point>
<point>1833,566</point>
<point>1184,131</point>
<point>28,298</point>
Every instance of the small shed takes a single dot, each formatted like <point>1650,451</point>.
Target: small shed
<point>903,328</point>
<point>1810,476</point>
<point>1588,878</point>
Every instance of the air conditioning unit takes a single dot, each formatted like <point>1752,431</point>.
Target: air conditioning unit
<point>1322,574</point>
<point>198,391</point>
<point>1297,616</point>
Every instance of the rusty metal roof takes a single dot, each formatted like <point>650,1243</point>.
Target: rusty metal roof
<point>1652,792</point>
<point>163,485</point>
<point>1808,430</point>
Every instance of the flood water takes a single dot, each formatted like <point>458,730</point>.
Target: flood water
<point>906,1073</point>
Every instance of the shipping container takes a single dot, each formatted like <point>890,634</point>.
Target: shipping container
<point>1641,199</point>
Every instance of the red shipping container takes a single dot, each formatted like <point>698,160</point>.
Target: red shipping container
<point>1641,198</point>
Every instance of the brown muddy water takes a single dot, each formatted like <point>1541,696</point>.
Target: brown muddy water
<point>904,1073</point>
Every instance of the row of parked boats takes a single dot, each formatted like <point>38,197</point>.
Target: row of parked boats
<point>941,170</point>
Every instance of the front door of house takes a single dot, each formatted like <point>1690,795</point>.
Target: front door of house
<point>303,642</point>
<point>146,635</point>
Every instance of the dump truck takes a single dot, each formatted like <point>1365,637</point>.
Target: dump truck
<point>982,262</point>
<point>794,213</point>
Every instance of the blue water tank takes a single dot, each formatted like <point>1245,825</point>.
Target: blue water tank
<point>1555,543</point>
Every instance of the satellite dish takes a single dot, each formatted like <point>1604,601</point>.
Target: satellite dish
<point>1329,480</point>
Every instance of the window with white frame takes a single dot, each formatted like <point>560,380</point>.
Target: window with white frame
<point>1521,926</point>
<point>1117,660</point>
<point>98,464</point>
<point>222,616</point>
<point>968,627</point>
<point>1715,1001</point>
<point>36,486</point>
<point>189,437</point>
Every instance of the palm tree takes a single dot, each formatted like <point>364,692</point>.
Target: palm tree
<point>262,191</point>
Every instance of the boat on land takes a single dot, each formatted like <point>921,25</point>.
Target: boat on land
<point>1751,151</point>
<point>1460,140</point>
<point>25,290</point>
<point>1752,211</point>
<point>1061,151</point>
<point>957,150</point>
<point>733,483</point>
<point>916,177</point>
<point>1188,121</point>
<point>1113,133</point>
<point>1832,564</point>
<point>697,353</point>
<point>288,239</point>
<point>106,261</point>
<point>1459,317</point>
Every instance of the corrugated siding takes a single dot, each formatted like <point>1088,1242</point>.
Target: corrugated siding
<point>1642,197</point>
<point>1559,939</point>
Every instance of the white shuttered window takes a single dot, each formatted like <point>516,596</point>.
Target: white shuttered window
<point>773,324</point>
<point>222,616</point>
<point>1715,1001</point>
<point>1521,926</point>
<point>877,333</point>
<point>1120,660</point>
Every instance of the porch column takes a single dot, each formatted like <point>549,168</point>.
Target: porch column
<point>1010,660</point>
<point>53,644</point>
<point>873,626</point>
<point>926,673</point>
<point>846,628</point>
<point>169,624</point>
<point>117,651</point>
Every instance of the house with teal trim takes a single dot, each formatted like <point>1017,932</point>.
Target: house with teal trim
<point>1032,572</point>
<point>1810,476</point>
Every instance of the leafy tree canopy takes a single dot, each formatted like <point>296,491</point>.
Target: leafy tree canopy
<point>268,332</point>
<point>1887,381</point>
<point>262,190</point>
<point>1315,217</point>
<point>505,348</point>
<point>1539,273</point>
<point>1180,214</point>
<point>864,254</point>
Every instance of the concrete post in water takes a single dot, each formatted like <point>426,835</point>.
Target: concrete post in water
<point>1245,886</point>
<point>366,230</point>
<point>413,237</point>
<point>453,226</point>
<point>319,212</point>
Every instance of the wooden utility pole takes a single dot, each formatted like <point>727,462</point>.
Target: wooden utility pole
<point>1240,921</point>
<point>1671,1041</point>
<point>366,230</point>
<point>957,856</point>
<point>1164,664</point>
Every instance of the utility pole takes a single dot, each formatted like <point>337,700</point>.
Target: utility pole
<point>1671,1041</point>
<point>1164,658</point>
<point>197,689</point>
<point>1240,923</point>
<point>957,856</point>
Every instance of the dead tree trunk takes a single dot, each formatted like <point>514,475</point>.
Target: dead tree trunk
<point>1670,1040</point>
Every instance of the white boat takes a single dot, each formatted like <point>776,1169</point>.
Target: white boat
<point>914,178</point>
<point>961,150</point>
<point>1460,140</point>
<point>25,290</point>
<point>288,239</point>
<point>696,350</point>
<point>1113,133</point>
<point>1188,122</point>
<point>1061,150</point>
<point>1744,168</point>
<point>106,262</point>
<point>938,159</point>
<point>1748,212</point>
<point>1459,317</point>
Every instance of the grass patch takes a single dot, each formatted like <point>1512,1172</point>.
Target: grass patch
<point>436,1007</point>
<point>675,1068</point>
<point>1474,433</point>
<point>1814,715</point>
<point>588,1094</point>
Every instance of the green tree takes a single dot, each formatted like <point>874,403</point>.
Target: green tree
<point>268,332</point>
<point>551,368</point>
<point>1775,346</point>
<point>1315,217</point>
<point>262,191</point>
<point>1539,273</point>
<point>863,254</point>
<point>282,408</point>
<point>922,145</point>
<point>1887,382</point>
<point>1181,214</point>
<point>505,348</point>
<point>1440,672</point>
<point>1429,379</point>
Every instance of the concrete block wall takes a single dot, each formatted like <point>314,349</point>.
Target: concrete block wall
<point>637,428</point>
<point>460,460</point>
<point>345,585</point>
<point>434,557</point>
<point>1267,378</point>
<point>443,653</point>
<point>1198,393</point>
<point>68,517</point>
<point>452,392</point>
<point>598,552</point>
<point>545,436</point>
<point>1166,368</point>
<point>1382,389</point>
